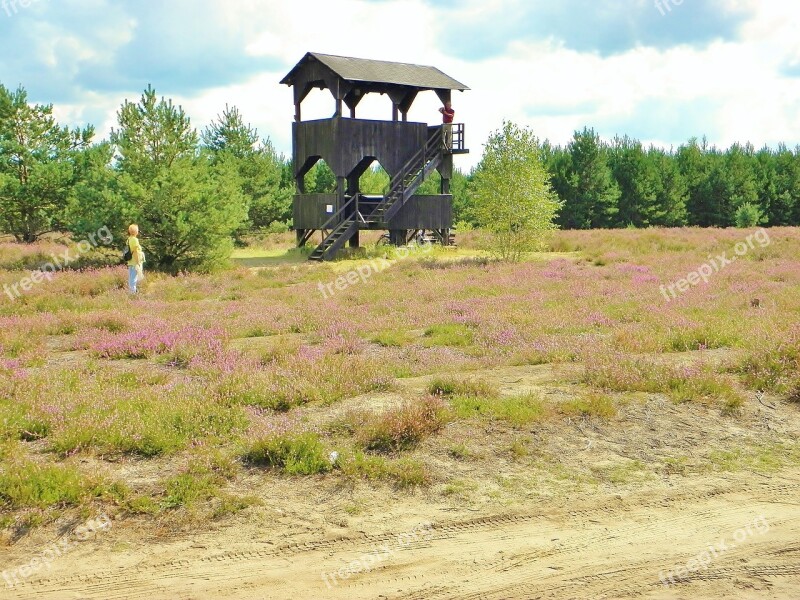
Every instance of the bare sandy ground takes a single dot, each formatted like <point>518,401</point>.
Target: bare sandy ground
<point>686,535</point>
<point>732,538</point>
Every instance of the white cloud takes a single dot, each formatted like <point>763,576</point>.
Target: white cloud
<point>731,90</point>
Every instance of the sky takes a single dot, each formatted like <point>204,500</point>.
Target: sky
<point>661,71</point>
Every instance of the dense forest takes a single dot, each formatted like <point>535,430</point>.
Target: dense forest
<point>621,183</point>
<point>225,180</point>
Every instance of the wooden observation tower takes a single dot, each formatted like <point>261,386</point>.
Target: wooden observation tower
<point>410,152</point>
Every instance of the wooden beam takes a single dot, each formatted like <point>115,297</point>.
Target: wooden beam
<point>301,91</point>
<point>406,102</point>
<point>341,184</point>
<point>398,96</point>
<point>444,95</point>
<point>352,98</point>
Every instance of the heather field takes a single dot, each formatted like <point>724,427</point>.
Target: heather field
<point>425,388</point>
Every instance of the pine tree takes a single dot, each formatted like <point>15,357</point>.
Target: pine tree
<point>638,183</point>
<point>187,207</point>
<point>592,194</point>
<point>260,167</point>
<point>37,166</point>
<point>694,164</point>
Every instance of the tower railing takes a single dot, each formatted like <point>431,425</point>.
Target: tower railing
<point>458,137</point>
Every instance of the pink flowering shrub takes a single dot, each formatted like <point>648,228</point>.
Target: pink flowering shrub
<point>698,382</point>
<point>242,357</point>
<point>181,346</point>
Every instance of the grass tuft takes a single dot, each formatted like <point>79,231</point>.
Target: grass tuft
<point>457,387</point>
<point>449,334</point>
<point>404,427</point>
<point>392,338</point>
<point>25,484</point>
<point>518,411</point>
<point>404,473</point>
<point>591,405</point>
<point>291,453</point>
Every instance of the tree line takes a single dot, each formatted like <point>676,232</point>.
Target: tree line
<point>193,193</point>
<point>623,184</point>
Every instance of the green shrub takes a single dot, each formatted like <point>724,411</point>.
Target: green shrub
<point>29,485</point>
<point>404,427</point>
<point>591,405</point>
<point>291,453</point>
<point>460,387</point>
<point>747,215</point>
<point>278,227</point>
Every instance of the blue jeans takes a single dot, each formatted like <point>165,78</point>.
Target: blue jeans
<point>132,279</point>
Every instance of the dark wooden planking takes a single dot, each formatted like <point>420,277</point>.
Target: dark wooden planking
<point>420,212</point>
<point>349,146</point>
<point>309,210</point>
<point>344,143</point>
<point>425,212</point>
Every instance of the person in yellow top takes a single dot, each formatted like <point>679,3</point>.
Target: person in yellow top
<point>135,264</point>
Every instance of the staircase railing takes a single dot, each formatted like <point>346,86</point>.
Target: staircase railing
<point>334,220</point>
<point>408,179</point>
<point>458,137</point>
<point>335,217</point>
<point>411,171</point>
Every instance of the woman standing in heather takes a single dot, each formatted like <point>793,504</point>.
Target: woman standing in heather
<point>135,264</point>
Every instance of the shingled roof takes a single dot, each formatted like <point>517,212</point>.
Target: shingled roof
<point>381,72</point>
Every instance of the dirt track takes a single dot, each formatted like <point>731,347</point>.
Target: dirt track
<point>601,547</point>
<point>541,537</point>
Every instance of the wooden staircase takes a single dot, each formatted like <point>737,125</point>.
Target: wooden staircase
<point>342,231</point>
<point>402,186</point>
<point>405,184</point>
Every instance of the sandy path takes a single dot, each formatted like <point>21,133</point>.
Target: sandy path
<point>592,547</point>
